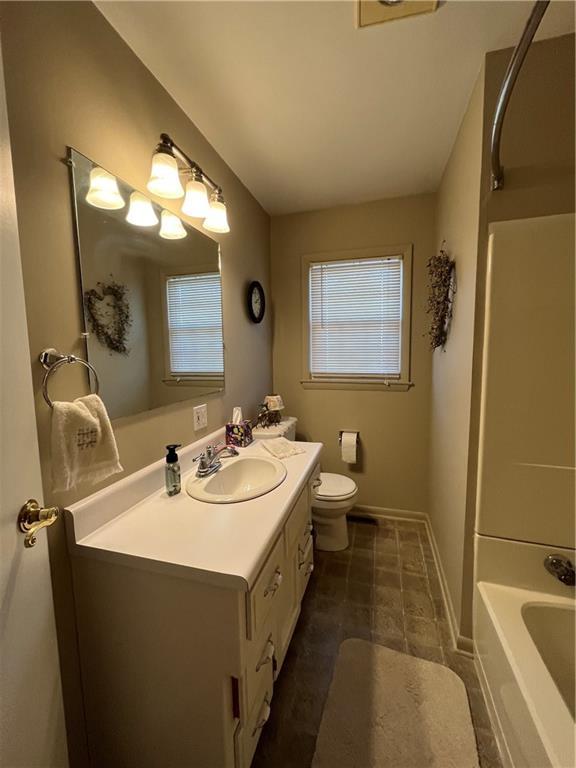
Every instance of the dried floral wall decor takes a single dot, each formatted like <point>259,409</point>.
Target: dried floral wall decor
<point>442,288</point>
<point>108,314</point>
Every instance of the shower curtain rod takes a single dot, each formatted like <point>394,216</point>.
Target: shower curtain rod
<point>512,71</point>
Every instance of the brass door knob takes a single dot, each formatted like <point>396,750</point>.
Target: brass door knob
<point>32,517</point>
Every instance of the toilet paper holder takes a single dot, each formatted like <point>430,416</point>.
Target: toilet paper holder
<point>341,432</point>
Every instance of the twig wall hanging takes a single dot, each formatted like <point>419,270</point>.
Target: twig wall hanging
<point>442,288</point>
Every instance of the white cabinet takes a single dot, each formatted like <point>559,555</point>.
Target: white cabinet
<point>177,672</point>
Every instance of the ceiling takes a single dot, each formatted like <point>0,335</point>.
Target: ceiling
<point>311,112</point>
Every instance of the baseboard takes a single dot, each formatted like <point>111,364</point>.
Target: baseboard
<point>461,643</point>
<point>377,513</point>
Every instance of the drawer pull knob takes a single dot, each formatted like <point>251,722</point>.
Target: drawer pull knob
<point>316,483</point>
<point>272,588</point>
<point>267,656</point>
<point>263,717</point>
<point>310,568</point>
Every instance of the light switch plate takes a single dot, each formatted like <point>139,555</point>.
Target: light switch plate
<point>200,417</point>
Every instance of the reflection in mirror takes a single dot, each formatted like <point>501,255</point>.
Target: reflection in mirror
<point>152,296</point>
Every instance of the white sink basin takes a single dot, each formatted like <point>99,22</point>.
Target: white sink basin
<point>238,480</point>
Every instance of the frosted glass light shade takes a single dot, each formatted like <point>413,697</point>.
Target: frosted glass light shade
<point>164,177</point>
<point>103,191</point>
<point>217,220</point>
<point>140,212</point>
<point>196,201</point>
<point>171,227</point>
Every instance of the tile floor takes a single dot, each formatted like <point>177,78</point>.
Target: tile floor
<point>383,588</point>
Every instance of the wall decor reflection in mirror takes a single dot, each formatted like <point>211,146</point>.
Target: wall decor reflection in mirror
<point>151,293</point>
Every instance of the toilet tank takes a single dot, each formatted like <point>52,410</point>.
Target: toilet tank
<point>286,428</point>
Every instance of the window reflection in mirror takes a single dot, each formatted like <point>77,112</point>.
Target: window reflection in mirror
<point>152,296</point>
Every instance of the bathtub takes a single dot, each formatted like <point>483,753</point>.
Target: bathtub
<point>524,645</point>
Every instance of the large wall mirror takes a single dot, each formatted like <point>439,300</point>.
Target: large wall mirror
<point>151,292</point>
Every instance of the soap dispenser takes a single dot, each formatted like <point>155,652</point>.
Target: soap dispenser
<point>172,470</point>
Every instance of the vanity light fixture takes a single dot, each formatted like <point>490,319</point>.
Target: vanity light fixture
<point>167,163</point>
<point>217,220</point>
<point>103,191</point>
<point>171,227</point>
<point>140,212</point>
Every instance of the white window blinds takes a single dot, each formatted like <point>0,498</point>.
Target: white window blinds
<point>356,318</point>
<point>194,305</point>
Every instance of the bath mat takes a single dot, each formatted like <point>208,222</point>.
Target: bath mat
<point>389,710</point>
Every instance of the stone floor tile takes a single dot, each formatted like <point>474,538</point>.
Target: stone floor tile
<point>336,568</point>
<point>387,622</point>
<point>387,560</point>
<point>386,578</point>
<point>415,583</point>
<point>422,631</point>
<point>418,604</point>
<point>362,572</point>
<point>408,536</point>
<point>386,545</point>
<point>359,592</point>
<point>387,597</point>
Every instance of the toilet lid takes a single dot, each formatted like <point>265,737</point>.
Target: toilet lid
<point>335,487</point>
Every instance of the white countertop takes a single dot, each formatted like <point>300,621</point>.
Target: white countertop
<point>221,544</point>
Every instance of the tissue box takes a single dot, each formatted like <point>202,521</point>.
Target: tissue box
<point>239,435</point>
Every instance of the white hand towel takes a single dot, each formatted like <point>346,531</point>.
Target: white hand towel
<point>83,445</point>
<point>281,448</point>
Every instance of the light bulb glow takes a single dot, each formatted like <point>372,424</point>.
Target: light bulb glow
<point>103,191</point>
<point>196,201</point>
<point>171,227</point>
<point>217,219</point>
<point>164,177</point>
<point>140,212</point>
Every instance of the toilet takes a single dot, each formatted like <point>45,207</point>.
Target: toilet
<point>333,497</point>
<point>332,500</point>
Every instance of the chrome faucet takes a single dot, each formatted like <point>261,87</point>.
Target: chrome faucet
<point>209,460</point>
<point>560,567</point>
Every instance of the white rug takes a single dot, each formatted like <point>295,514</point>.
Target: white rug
<point>389,710</point>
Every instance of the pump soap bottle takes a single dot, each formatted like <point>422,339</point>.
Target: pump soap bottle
<point>172,470</point>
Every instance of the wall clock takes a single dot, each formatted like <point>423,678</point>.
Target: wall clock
<point>256,302</point>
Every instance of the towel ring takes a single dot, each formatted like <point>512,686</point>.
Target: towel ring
<point>51,359</point>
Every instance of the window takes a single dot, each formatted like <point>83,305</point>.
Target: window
<point>358,308</point>
<point>194,309</point>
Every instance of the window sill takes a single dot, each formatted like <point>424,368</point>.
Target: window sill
<point>388,385</point>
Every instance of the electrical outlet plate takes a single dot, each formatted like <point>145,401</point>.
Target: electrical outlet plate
<point>200,417</point>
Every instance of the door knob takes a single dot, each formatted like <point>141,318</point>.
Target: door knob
<point>32,517</point>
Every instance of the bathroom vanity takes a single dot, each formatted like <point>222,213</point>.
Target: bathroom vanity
<point>185,610</point>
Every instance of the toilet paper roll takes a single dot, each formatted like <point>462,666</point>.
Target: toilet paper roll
<point>349,447</point>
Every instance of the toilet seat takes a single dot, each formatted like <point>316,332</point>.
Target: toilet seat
<point>335,487</point>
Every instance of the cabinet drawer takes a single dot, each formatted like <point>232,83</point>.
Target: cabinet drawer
<point>298,520</point>
<point>250,733</point>
<point>305,565</point>
<point>260,662</point>
<point>264,593</point>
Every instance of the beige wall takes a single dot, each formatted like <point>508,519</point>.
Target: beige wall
<point>457,222</point>
<point>393,426</point>
<point>71,80</point>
